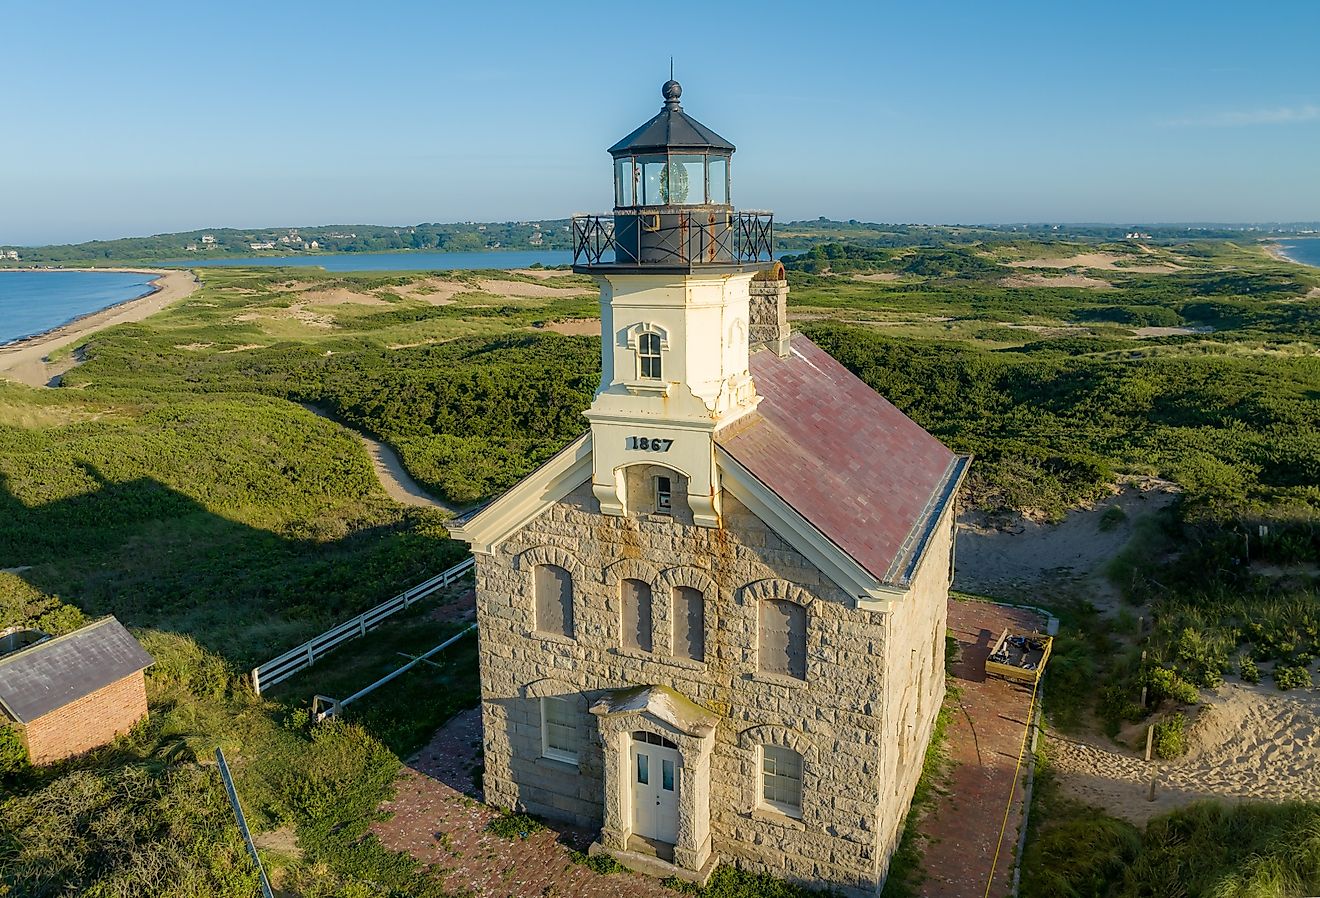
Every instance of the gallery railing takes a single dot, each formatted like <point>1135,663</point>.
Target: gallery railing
<point>674,237</point>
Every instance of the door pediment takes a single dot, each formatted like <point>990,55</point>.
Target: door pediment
<point>620,709</point>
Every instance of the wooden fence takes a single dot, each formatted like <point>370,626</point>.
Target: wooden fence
<point>279,669</point>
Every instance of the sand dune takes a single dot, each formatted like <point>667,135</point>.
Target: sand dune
<point>1248,743</point>
<point>1098,261</point>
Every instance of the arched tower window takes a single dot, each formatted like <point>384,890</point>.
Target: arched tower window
<point>648,356</point>
<point>554,600</point>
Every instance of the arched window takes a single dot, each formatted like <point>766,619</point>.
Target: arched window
<point>689,623</point>
<point>781,780</point>
<point>635,596</point>
<point>554,600</point>
<point>782,646</point>
<point>648,356</point>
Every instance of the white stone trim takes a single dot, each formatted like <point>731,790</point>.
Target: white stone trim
<point>545,486</point>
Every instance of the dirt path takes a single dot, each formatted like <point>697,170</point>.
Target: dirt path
<point>1248,743</point>
<point>437,817</point>
<point>394,478</point>
<point>26,362</point>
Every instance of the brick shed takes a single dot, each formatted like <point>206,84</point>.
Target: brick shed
<point>75,692</point>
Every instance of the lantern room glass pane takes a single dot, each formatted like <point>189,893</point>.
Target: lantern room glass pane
<point>624,183</point>
<point>719,180</point>
<point>653,180</point>
<point>687,179</point>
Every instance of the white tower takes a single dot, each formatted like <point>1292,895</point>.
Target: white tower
<point>674,309</point>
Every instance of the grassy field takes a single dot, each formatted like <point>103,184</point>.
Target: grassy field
<point>175,482</point>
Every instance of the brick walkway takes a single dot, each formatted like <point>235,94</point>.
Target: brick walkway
<point>440,820</point>
<point>985,735</point>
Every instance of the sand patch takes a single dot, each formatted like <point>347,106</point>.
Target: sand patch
<point>1023,554</point>
<point>341,296</point>
<point>1066,280</point>
<point>524,289</point>
<point>193,346</point>
<point>878,277</point>
<point>243,348</point>
<point>1098,261</point>
<point>1171,331</point>
<point>575,327</point>
<point>38,417</point>
<point>1248,743</point>
<point>298,312</point>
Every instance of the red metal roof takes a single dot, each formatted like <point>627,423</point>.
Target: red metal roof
<point>863,473</point>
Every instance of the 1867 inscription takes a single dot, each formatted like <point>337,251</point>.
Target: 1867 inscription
<point>650,444</point>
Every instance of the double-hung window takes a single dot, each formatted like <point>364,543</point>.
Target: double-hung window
<point>559,730</point>
<point>781,780</point>
<point>648,356</point>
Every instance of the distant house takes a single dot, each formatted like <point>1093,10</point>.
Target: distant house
<point>314,245</point>
<point>11,255</point>
<point>264,244</point>
<point>72,693</point>
<point>191,247</point>
<point>208,239</point>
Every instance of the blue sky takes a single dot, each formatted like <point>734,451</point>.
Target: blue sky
<point>124,119</point>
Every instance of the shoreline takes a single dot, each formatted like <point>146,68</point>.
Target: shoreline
<point>25,360</point>
<point>1275,250</point>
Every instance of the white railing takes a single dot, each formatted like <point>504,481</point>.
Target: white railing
<point>279,669</point>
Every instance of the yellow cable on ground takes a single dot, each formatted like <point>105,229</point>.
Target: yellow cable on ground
<point>1022,750</point>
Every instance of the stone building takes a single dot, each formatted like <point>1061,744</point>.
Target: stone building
<point>72,693</point>
<point>713,626</point>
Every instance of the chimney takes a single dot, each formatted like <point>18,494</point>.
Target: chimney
<point>768,311</point>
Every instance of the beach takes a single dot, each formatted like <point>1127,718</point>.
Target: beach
<point>25,360</point>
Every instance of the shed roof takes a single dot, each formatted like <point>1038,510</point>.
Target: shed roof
<point>48,675</point>
<point>864,474</point>
<point>671,129</point>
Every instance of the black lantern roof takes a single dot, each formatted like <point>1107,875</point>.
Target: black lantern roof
<point>671,129</point>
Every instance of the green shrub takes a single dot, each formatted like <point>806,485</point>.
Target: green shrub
<point>1291,677</point>
<point>510,825</point>
<point>1247,669</point>
<point>1171,737</point>
<point>13,756</point>
<point>1163,683</point>
<point>602,863</point>
<point>1113,518</point>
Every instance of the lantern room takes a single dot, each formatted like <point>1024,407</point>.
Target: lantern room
<point>672,202</point>
<point>672,160</point>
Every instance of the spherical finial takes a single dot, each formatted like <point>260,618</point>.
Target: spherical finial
<point>671,91</point>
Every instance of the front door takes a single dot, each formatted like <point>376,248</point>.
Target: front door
<point>655,773</point>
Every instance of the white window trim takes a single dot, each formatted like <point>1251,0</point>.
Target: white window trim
<point>547,751</point>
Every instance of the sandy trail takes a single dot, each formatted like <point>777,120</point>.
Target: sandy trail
<point>393,477</point>
<point>26,362</point>
<point>1248,743</point>
<point>1030,555</point>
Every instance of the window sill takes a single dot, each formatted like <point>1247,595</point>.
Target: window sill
<point>637,654</point>
<point>778,818</point>
<point>647,387</point>
<point>777,679</point>
<point>551,638</point>
<point>558,765</point>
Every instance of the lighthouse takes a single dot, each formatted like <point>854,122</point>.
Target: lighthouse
<point>712,626</point>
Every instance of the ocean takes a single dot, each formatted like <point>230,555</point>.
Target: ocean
<point>503,259</point>
<point>1305,250</point>
<point>35,301</point>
